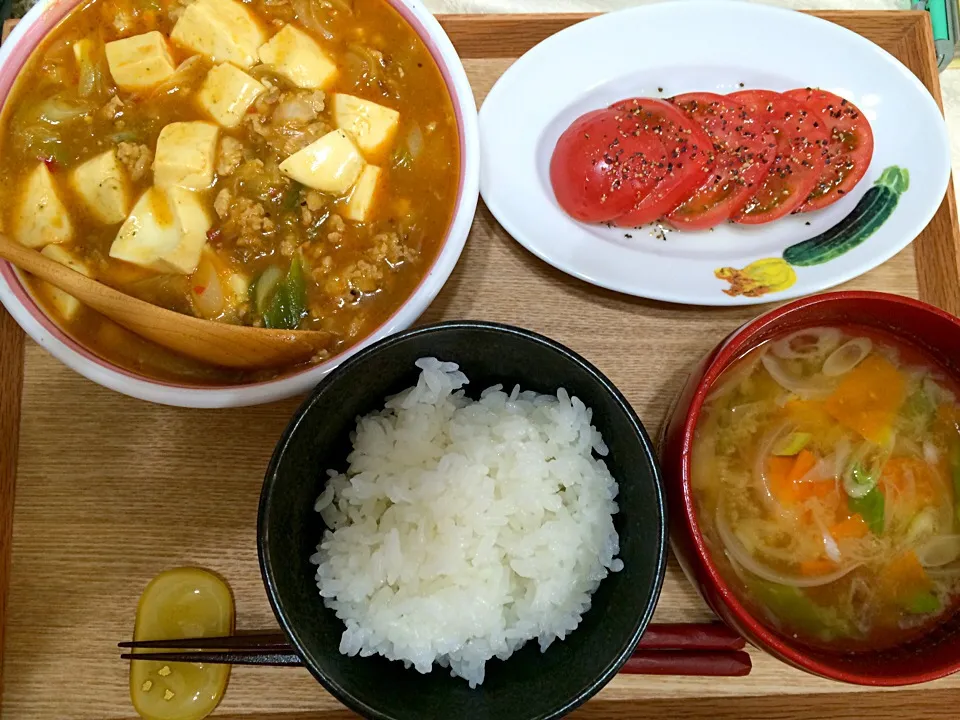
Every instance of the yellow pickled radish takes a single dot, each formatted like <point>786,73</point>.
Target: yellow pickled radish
<point>179,603</point>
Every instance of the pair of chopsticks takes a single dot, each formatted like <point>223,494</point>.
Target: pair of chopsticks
<point>706,649</point>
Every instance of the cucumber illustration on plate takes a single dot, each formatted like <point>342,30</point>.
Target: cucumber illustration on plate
<point>870,213</point>
<point>775,274</point>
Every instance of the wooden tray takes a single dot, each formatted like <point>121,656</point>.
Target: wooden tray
<point>110,490</point>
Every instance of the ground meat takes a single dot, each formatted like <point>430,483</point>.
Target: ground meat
<point>356,280</point>
<point>387,248</point>
<point>315,200</point>
<point>113,108</point>
<point>137,158</point>
<point>363,277</point>
<point>299,107</point>
<point>287,139</point>
<point>335,227</point>
<point>306,216</point>
<point>246,223</point>
<point>123,23</point>
<point>348,285</point>
<point>313,208</point>
<point>230,155</point>
<point>288,121</point>
<point>222,202</point>
<point>288,246</point>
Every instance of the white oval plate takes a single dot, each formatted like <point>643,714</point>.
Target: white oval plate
<point>702,45</point>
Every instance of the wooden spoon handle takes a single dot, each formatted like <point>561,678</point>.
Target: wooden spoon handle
<point>218,343</point>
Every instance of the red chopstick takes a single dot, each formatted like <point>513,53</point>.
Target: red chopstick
<point>711,663</point>
<point>690,636</point>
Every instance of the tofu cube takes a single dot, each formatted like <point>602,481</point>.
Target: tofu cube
<point>186,153</point>
<point>166,231</point>
<point>101,183</point>
<point>194,222</point>
<point>361,203</point>
<point>222,30</point>
<point>227,93</point>
<point>140,62</point>
<point>371,125</point>
<point>299,58</point>
<point>66,305</point>
<point>40,217</point>
<point>150,232</point>
<point>331,164</point>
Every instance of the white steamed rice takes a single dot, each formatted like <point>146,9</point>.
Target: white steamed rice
<point>462,529</point>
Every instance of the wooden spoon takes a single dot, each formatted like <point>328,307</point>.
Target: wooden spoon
<point>235,346</point>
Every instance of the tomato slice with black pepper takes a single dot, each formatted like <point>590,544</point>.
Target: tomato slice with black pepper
<point>798,161</point>
<point>742,151</point>
<point>686,158</point>
<point>601,165</point>
<point>849,151</point>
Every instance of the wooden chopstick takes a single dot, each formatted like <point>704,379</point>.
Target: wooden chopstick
<point>706,649</point>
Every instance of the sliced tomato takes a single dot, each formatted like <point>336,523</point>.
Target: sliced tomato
<point>847,156</point>
<point>681,168</point>
<point>743,151</point>
<point>798,160</point>
<point>601,164</point>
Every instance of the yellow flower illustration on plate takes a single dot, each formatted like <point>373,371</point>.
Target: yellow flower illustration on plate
<point>758,278</point>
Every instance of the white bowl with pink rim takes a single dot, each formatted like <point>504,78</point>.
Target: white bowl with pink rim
<point>29,33</point>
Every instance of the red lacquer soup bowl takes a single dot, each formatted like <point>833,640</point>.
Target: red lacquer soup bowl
<point>934,655</point>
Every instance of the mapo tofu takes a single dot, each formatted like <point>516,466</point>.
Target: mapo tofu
<point>275,163</point>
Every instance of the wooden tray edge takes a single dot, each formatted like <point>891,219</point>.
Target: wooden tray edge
<point>11,383</point>
<point>936,266</point>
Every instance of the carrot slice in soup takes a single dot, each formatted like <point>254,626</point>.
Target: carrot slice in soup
<point>905,473</point>
<point>868,398</point>
<point>853,527</point>
<point>781,486</point>
<point>804,463</point>
<point>785,474</point>
<point>817,567</point>
<point>905,577</point>
<point>809,414</point>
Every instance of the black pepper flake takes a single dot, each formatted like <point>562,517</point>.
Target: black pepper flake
<point>659,89</point>
<point>807,222</point>
<point>741,84</point>
<point>628,236</point>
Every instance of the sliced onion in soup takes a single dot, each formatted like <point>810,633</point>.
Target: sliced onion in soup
<point>947,571</point>
<point>769,441</point>
<point>939,551</point>
<point>846,357</point>
<point>803,387</point>
<point>740,555</point>
<point>923,525</point>
<point>806,344</point>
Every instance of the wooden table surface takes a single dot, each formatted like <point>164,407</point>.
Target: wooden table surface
<point>111,490</point>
